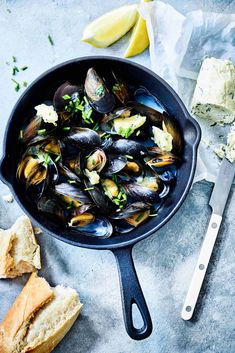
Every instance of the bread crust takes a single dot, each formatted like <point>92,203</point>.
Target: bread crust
<point>33,296</point>
<point>10,265</point>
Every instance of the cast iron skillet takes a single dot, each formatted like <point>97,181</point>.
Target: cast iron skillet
<point>43,89</point>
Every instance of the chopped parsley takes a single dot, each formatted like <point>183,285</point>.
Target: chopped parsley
<point>24,84</point>
<point>50,40</point>
<point>125,132</point>
<point>66,128</point>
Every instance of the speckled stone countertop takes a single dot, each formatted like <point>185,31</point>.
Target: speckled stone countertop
<point>165,261</point>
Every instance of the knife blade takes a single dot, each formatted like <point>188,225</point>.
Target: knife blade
<point>217,202</point>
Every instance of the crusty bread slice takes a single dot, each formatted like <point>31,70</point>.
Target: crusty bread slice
<point>38,324</point>
<point>13,329</point>
<point>19,251</point>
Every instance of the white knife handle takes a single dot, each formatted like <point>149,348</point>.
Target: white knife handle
<point>201,267</point>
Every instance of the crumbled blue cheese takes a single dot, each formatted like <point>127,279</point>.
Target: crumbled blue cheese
<point>228,150</point>
<point>47,113</point>
<point>93,176</point>
<point>214,95</point>
<point>163,139</point>
<point>126,126</point>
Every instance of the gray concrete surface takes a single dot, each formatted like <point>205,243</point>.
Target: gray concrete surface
<point>165,261</point>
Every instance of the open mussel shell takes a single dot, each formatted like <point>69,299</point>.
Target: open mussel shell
<point>68,174</point>
<point>99,96</point>
<point>130,210</point>
<point>115,163</point>
<point>96,160</point>
<point>138,192</point>
<point>81,220</point>
<point>52,209</point>
<point>167,174</point>
<point>100,228</point>
<point>66,89</point>
<point>31,129</point>
<point>171,126</point>
<point>136,219</point>
<point>83,138</point>
<point>161,159</point>
<point>71,193</point>
<point>143,96</point>
<point>48,144</point>
<point>99,198</point>
<point>129,147</point>
<point>120,88</point>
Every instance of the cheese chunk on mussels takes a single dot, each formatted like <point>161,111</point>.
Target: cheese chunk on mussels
<point>126,126</point>
<point>163,139</point>
<point>47,113</point>
<point>214,95</point>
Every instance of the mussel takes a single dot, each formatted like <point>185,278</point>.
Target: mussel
<point>52,209</point>
<point>83,138</point>
<point>129,147</point>
<point>67,91</point>
<point>162,159</point>
<point>37,169</point>
<point>130,210</point>
<point>143,96</point>
<point>72,195</point>
<point>99,96</point>
<point>146,189</point>
<point>96,160</point>
<point>100,228</point>
<point>81,220</point>
<point>120,89</point>
<point>138,218</point>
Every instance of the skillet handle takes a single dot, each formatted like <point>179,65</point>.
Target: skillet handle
<point>131,293</point>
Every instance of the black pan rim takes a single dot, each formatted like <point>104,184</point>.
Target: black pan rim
<point>133,241</point>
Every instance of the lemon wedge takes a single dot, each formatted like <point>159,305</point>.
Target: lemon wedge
<point>139,38</point>
<point>110,27</point>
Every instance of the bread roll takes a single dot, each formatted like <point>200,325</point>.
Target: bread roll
<point>39,318</point>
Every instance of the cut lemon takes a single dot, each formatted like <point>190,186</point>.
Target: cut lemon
<point>110,27</point>
<point>139,38</point>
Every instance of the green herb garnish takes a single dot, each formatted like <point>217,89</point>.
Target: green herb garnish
<point>50,39</point>
<point>57,158</point>
<point>100,90</point>
<point>87,189</point>
<point>46,159</point>
<point>15,70</point>
<point>128,156</point>
<point>17,85</point>
<point>14,59</point>
<point>72,181</point>
<point>42,132</point>
<point>21,134</point>
<point>66,128</point>
<point>23,68</point>
<point>24,84</point>
<point>70,205</point>
<point>138,132</point>
<point>66,97</point>
<point>96,127</point>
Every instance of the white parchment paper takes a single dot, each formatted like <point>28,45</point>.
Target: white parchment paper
<point>178,45</point>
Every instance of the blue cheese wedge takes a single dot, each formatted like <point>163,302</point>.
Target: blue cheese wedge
<point>163,139</point>
<point>228,150</point>
<point>214,95</point>
<point>47,113</point>
<point>126,126</point>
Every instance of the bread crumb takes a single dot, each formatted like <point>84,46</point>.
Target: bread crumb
<point>37,230</point>
<point>8,198</point>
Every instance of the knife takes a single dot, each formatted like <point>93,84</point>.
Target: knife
<point>217,202</point>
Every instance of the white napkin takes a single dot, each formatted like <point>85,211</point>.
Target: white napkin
<point>178,44</point>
